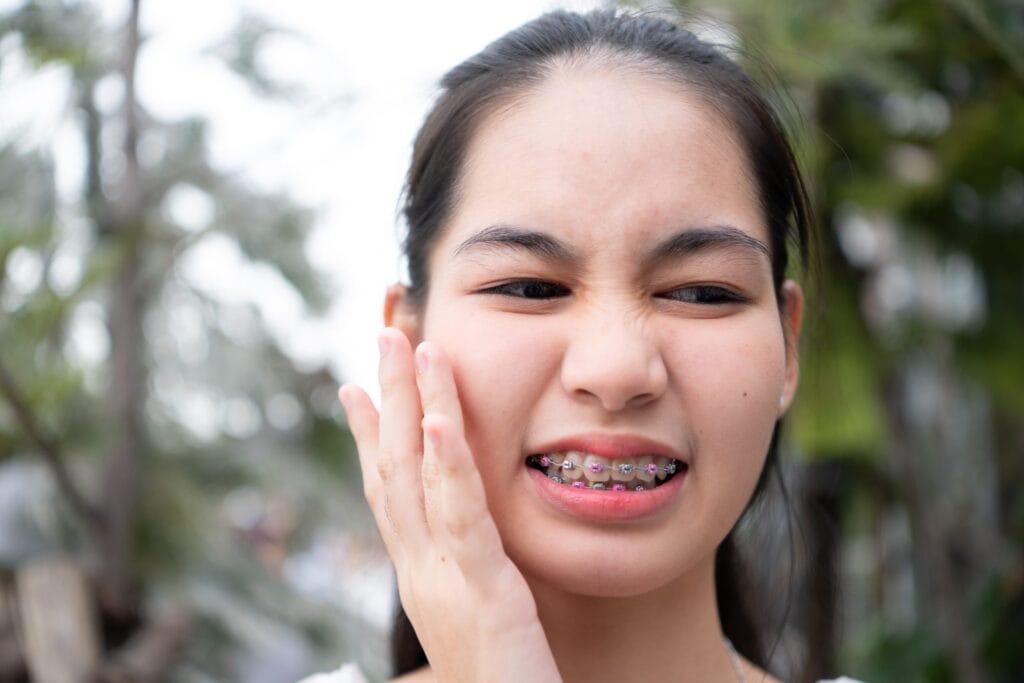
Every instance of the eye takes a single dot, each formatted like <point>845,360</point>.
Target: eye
<point>529,289</point>
<point>704,294</point>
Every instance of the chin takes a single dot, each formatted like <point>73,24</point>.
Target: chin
<point>587,567</point>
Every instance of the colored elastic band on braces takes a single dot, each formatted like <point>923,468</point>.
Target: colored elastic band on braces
<point>599,486</point>
<point>597,467</point>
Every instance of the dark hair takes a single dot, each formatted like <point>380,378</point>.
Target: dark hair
<point>521,60</point>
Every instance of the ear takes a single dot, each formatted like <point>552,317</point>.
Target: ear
<point>399,312</point>
<point>792,319</point>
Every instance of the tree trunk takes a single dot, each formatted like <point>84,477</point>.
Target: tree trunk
<point>930,539</point>
<point>123,475</point>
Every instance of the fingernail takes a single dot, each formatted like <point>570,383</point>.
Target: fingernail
<point>421,360</point>
<point>385,345</point>
<point>341,397</point>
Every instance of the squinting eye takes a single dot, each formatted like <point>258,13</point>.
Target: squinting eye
<point>529,289</point>
<point>704,294</point>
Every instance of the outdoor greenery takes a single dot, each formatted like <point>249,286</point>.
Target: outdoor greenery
<point>152,428</point>
<point>909,430</point>
<point>160,435</point>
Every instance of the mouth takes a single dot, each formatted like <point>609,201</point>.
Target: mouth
<point>582,470</point>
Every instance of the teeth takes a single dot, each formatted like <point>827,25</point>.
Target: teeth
<point>584,470</point>
<point>624,469</point>
<point>662,464</point>
<point>646,468</point>
<point>596,468</point>
<point>572,465</point>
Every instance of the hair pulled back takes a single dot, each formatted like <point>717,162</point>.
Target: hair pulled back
<point>520,61</point>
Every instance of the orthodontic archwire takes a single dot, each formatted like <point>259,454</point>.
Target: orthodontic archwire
<point>597,467</point>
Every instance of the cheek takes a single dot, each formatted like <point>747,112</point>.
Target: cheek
<point>730,379</point>
<point>501,368</point>
<point>732,369</point>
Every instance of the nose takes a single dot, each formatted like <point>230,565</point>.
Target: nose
<point>614,359</point>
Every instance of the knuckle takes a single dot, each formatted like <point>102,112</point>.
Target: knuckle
<point>431,474</point>
<point>430,392</point>
<point>458,527</point>
<point>392,524</point>
<point>388,381</point>
<point>431,508</point>
<point>386,469</point>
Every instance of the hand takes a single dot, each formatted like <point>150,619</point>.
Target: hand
<point>470,605</point>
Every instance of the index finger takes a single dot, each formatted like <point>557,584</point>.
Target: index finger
<point>436,381</point>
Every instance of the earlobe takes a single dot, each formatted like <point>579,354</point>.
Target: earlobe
<point>792,320</point>
<point>399,312</point>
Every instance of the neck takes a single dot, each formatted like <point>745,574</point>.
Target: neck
<point>671,634</point>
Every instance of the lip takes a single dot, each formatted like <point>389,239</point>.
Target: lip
<point>609,446</point>
<point>608,506</point>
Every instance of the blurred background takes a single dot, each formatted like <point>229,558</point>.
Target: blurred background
<point>197,223</point>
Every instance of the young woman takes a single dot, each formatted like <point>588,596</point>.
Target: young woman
<point>583,378</point>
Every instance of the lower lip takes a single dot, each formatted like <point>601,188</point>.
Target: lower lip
<point>607,506</point>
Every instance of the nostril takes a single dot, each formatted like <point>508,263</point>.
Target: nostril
<point>617,365</point>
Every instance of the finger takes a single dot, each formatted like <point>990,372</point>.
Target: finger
<point>401,442</point>
<point>438,395</point>
<point>436,382</point>
<point>363,420</point>
<point>468,529</point>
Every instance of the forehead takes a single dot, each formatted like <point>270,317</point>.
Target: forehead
<point>605,157</point>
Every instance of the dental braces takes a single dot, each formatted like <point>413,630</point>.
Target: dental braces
<point>598,467</point>
<point>600,485</point>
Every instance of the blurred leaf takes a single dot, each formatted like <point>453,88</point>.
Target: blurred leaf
<point>240,51</point>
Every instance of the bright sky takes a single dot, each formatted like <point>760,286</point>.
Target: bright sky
<point>369,71</point>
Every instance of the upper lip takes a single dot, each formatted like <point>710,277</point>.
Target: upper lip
<point>609,446</point>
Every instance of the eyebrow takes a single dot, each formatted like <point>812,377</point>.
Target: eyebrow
<point>695,240</point>
<point>533,241</point>
<point>683,243</point>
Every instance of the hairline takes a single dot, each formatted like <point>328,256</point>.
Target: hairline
<point>531,78</point>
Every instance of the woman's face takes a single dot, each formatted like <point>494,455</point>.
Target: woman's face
<point>603,286</point>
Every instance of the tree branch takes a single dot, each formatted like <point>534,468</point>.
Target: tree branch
<point>48,449</point>
<point>975,16</point>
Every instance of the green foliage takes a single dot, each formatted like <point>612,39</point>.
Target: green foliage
<point>839,412</point>
<point>887,654</point>
<point>916,656</point>
<point>212,372</point>
<point>906,115</point>
<point>55,32</point>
